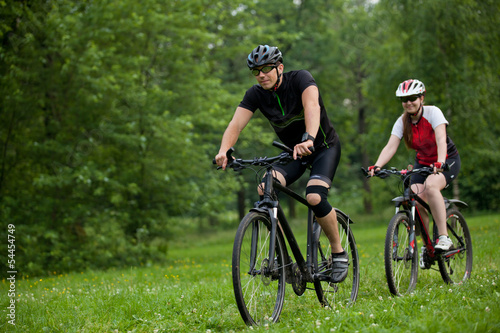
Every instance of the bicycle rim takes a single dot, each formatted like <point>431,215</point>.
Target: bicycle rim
<point>259,289</point>
<point>455,265</point>
<point>399,259</point>
<point>344,294</point>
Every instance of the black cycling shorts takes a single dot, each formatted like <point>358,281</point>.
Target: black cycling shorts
<point>450,175</point>
<point>323,162</point>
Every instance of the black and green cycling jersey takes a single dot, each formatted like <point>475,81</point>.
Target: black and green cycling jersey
<point>284,110</point>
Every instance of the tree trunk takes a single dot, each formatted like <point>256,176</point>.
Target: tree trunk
<point>367,203</point>
<point>456,190</point>
<point>241,203</point>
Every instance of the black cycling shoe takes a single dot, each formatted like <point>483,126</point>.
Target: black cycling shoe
<point>340,265</point>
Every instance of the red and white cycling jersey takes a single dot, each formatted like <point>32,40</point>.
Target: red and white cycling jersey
<point>424,138</point>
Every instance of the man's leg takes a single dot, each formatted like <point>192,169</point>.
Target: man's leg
<point>325,214</point>
<point>317,191</point>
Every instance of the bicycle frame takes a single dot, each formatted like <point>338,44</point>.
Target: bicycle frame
<point>400,258</point>
<point>266,255</point>
<point>275,212</point>
<point>409,203</point>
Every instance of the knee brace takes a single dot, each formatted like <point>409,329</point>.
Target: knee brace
<point>323,208</point>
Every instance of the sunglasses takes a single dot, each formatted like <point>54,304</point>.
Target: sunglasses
<point>265,70</point>
<point>409,98</point>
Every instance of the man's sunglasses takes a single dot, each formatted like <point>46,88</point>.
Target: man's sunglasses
<point>265,70</point>
<point>409,98</point>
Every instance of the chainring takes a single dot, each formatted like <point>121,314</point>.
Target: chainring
<point>298,281</point>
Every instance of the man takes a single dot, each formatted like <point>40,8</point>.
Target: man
<point>292,104</point>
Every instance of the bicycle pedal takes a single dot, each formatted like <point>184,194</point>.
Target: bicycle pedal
<point>322,277</point>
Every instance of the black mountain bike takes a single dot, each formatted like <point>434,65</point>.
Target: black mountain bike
<point>261,264</point>
<point>400,254</point>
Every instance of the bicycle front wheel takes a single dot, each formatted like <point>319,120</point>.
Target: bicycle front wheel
<point>455,264</point>
<point>400,257</point>
<point>259,284</point>
<point>335,295</point>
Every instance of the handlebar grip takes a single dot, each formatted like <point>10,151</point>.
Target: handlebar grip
<point>365,172</point>
<point>282,147</point>
<point>288,149</point>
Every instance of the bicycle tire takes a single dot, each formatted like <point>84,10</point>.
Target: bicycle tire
<point>456,268</point>
<point>335,295</point>
<point>259,290</point>
<point>401,265</point>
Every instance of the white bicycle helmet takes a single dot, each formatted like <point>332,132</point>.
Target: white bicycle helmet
<point>410,88</point>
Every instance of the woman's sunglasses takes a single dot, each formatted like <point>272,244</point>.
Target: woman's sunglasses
<point>265,70</point>
<point>409,98</point>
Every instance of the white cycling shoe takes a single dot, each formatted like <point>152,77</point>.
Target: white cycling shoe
<point>444,243</point>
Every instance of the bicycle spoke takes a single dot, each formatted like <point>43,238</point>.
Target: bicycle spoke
<point>259,288</point>
<point>337,295</point>
<point>456,265</point>
<point>400,262</point>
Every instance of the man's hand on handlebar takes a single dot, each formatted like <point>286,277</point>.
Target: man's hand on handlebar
<point>221,160</point>
<point>303,149</point>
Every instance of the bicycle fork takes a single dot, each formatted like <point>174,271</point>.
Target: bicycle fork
<point>411,234</point>
<point>256,242</point>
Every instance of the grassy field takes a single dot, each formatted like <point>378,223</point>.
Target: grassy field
<point>193,293</point>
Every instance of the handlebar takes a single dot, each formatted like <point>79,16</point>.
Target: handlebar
<point>238,164</point>
<point>384,173</point>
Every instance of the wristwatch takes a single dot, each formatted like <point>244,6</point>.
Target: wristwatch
<point>306,136</point>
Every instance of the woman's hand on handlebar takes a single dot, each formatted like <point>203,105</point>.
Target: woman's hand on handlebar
<point>440,167</point>
<point>372,169</point>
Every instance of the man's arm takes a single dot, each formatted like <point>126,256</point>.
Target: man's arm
<point>312,114</point>
<point>240,119</point>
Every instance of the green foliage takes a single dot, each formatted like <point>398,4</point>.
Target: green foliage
<point>99,154</point>
<point>111,111</point>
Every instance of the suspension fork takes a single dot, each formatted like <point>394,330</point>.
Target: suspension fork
<point>410,210</point>
<point>412,241</point>
<point>253,250</point>
<point>272,211</point>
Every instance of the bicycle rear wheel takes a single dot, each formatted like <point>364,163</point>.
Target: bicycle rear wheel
<point>342,294</point>
<point>400,257</point>
<point>259,289</point>
<point>455,264</point>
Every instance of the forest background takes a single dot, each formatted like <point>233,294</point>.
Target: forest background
<point>111,112</point>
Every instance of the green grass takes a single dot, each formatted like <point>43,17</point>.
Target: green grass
<point>193,293</point>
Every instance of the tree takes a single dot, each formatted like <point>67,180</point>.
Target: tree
<point>450,50</point>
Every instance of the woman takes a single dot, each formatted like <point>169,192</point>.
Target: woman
<point>424,130</point>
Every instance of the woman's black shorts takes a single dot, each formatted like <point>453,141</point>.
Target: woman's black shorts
<point>450,175</point>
